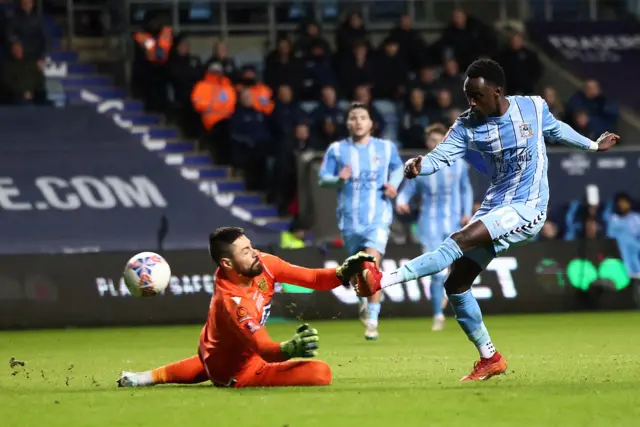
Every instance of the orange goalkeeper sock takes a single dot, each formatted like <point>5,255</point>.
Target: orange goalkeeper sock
<point>187,371</point>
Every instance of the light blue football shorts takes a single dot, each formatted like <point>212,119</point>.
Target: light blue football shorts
<point>375,237</point>
<point>509,226</point>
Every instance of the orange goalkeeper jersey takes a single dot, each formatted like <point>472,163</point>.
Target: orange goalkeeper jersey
<point>234,331</point>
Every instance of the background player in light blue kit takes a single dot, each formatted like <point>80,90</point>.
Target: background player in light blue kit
<point>445,205</point>
<point>510,133</point>
<point>367,172</point>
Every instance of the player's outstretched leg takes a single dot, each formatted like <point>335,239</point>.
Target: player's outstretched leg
<point>187,371</point>
<point>285,374</point>
<point>468,314</point>
<point>437,299</point>
<point>373,305</point>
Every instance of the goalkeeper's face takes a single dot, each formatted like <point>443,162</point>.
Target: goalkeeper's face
<point>359,123</point>
<point>244,258</point>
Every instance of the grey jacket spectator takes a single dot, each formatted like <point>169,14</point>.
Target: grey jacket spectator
<point>281,68</point>
<point>220,56</point>
<point>390,72</point>
<point>22,81</point>
<point>26,27</point>
<point>602,111</point>
<point>412,47</point>
<point>521,66</point>
<point>452,80</point>
<point>466,39</point>
<point>310,37</point>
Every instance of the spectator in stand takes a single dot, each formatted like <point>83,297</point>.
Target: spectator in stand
<point>603,112</point>
<point>427,81</point>
<point>22,79</point>
<point>521,65</point>
<point>286,114</point>
<point>555,107</point>
<point>328,118</point>
<point>624,226</point>
<point>444,105</point>
<point>592,229</point>
<point>250,140</point>
<point>281,68</point>
<point>299,142</point>
<point>356,69</point>
<point>362,95</point>
<point>309,38</point>
<point>350,32</point>
<point>152,47</point>
<point>317,72</point>
<point>582,124</point>
<point>453,115</point>
<point>184,71</point>
<point>261,94</point>
<point>412,47</point>
<point>549,231</point>
<point>413,121</point>
<point>220,56</point>
<point>466,39</point>
<point>214,98</point>
<point>452,80</point>
<point>26,27</point>
<point>390,72</point>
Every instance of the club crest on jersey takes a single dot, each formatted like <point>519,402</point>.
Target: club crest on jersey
<point>525,130</point>
<point>262,285</point>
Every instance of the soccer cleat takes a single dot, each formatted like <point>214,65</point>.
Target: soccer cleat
<point>363,311</point>
<point>484,369</point>
<point>131,379</point>
<point>371,333</point>
<point>438,323</point>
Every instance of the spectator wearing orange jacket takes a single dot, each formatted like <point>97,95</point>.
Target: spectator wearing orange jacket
<point>214,98</point>
<point>152,47</point>
<point>261,94</point>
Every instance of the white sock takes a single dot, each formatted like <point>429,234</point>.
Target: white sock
<point>144,378</point>
<point>486,350</point>
<point>392,278</point>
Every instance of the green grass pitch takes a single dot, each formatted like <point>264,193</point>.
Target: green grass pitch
<point>564,370</point>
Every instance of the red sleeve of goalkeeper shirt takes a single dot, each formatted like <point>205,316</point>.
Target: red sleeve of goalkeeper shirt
<point>320,279</point>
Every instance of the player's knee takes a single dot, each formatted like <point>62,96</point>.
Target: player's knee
<point>463,239</point>
<point>321,373</point>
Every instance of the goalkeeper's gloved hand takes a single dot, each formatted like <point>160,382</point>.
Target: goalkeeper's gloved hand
<point>303,344</point>
<point>352,266</point>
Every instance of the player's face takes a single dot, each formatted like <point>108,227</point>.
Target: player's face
<point>483,98</point>
<point>359,123</point>
<point>244,258</point>
<point>433,139</point>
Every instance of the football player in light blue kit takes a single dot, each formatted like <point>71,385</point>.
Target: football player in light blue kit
<point>446,203</point>
<point>510,133</point>
<point>367,172</point>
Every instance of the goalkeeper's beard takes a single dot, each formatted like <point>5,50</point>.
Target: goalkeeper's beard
<point>253,271</point>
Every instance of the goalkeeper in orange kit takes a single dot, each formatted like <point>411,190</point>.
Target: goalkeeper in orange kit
<point>235,349</point>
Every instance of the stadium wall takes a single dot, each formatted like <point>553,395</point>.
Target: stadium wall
<point>43,291</point>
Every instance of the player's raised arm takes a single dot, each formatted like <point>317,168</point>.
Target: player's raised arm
<point>319,279</point>
<point>558,131</point>
<point>453,146</point>
<point>331,176</point>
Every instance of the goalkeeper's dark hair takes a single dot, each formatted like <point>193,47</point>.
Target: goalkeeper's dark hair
<point>220,242</point>
<point>487,69</point>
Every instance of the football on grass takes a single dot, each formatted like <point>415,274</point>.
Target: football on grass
<point>365,289</point>
<point>147,274</point>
